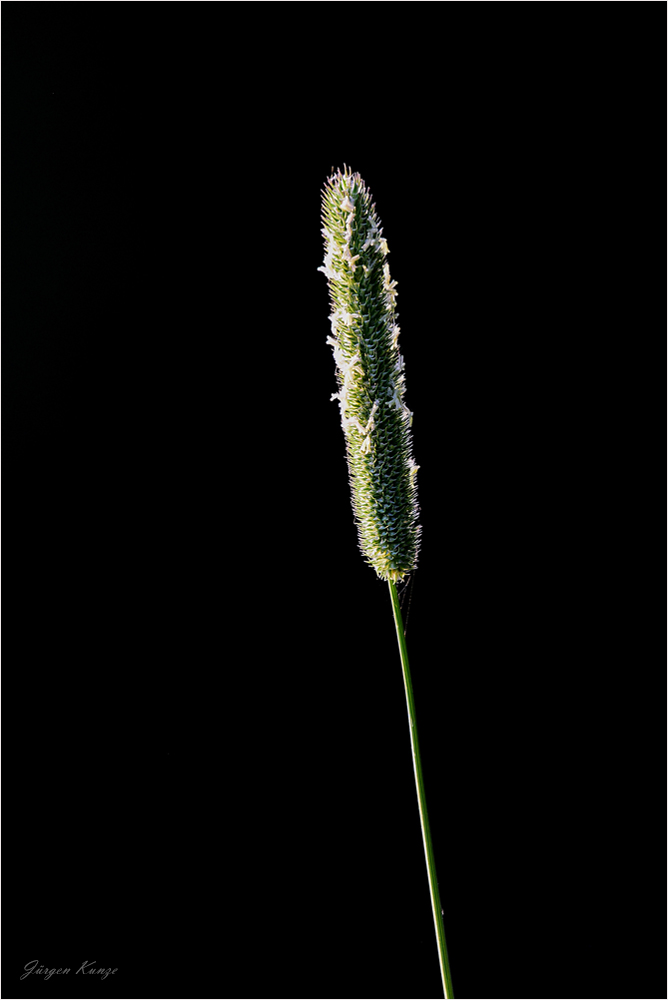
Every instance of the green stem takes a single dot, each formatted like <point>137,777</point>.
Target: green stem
<point>422,801</point>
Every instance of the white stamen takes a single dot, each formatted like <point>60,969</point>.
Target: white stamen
<point>395,401</point>
<point>346,254</point>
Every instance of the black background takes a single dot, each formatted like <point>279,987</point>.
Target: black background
<point>207,764</point>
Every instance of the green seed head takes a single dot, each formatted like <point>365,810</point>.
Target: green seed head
<point>369,371</point>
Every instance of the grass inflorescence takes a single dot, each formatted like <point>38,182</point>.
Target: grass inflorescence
<point>370,378</point>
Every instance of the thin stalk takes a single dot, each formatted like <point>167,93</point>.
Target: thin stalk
<point>422,801</point>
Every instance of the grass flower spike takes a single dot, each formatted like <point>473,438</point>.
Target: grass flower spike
<point>377,427</point>
<point>370,376</point>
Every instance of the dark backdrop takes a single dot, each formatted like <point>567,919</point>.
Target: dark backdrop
<point>207,766</point>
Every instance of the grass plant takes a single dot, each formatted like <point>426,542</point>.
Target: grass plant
<point>377,427</point>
